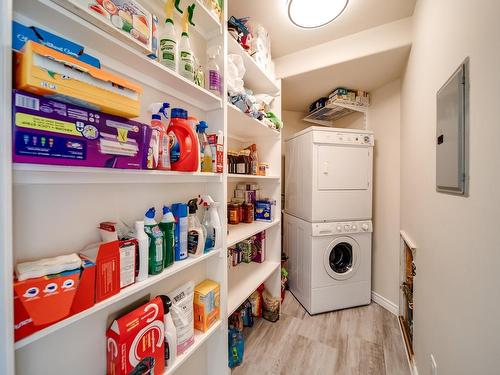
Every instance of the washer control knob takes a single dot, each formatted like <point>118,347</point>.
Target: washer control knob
<point>346,228</point>
<point>365,227</point>
<point>339,228</point>
<point>354,227</point>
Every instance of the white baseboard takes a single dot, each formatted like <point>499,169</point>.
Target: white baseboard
<point>385,303</point>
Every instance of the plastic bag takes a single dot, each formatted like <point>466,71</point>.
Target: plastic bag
<point>271,308</point>
<point>182,315</point>
<point>235,73</point>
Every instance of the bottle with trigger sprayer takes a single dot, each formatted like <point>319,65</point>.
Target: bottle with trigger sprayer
<point>186,62</point>
<point>168,55</point>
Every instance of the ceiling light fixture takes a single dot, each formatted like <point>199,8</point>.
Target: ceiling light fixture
<point>312,14</point>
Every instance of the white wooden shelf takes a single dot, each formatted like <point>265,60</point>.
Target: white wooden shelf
<point>124,293</point>
<point>113,53</point>
<point>244,279</point>
<point>207,24</point>
<point>29,174</point>
<point>242,231</point>
<point>255,78</point>
<point>199,339</point>
<point>332,111</point>
<point>245,128</point>
<point>235,177</point>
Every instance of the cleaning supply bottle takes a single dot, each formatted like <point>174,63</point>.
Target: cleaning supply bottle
<point>159,123</point>
<point>185,150</point>
<point>205,150</point>
<point>143,244</point>
<point>180,211</point>
<point>168,40</point>
<point>213,78</point>
<point>170,332</point>
<point>155,242</point>
<point>186,62</point>
<point>211,222</point>
<point>196,232</point>
<point>166,225</point>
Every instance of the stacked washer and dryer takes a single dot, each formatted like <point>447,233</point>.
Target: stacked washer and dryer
<point>327,219</point>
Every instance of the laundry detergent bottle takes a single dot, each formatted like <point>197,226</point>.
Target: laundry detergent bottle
<point>196,232</point>
<point>167,225</point>
<point>155,242</point>
<point>180,212</point>
<point>185,150</point>
<point>212,224</point>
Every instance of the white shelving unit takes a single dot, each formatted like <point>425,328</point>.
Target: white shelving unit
<point>333,111</point>
<point>62,205</point>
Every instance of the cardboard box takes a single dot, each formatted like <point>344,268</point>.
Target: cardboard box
<point>21,34</point>
<point>206,304</point>
<point>136,341</point>
<point>126,20</point>
<point>128,250</point>
<point>44,71</point>
<point>46,131</point>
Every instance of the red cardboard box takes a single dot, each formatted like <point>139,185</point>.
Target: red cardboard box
<point>136,341</point>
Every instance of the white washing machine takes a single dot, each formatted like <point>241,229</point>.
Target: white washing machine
<point>329,263</point>
<point>328,174</point>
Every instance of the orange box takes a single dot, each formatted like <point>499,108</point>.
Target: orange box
<point>206,304</point>
<point>43,71</point>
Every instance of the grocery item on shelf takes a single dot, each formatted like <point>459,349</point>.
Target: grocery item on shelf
<point>168,54</point>
<point>180,211</point>
<point>170,333</point>
<point>44,71</point>
<point>47,131</point>
<point>259,243</point>
<point>348,96</point>
<point>160,147</point>
<point>249,250</point>
<point>206,304</point>
<point>271,306</point>
<point>318,104</point>
<point>135,342</point>
<point>233,213</point>
<point>21,34</point>
<point>196,231</point>
<point>143,251</point>
<point>167,225</point>
<point>184,154</point>
<point>47,266</point>
<point>211,222</point>
<point>199,73</point>
<point>128,251</point>
<point>263,169</point>
<point>155,242</point>
<point>216,142</point>
<point>183,315</point>
<point>186,54</point>
<point>215,6</point>
<point>126,20</point>
<point>214,79</point>
<point>264,210</point>
<point>205,149</point>
<point>236,347</point>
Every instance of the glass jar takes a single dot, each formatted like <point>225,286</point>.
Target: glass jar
<point>233,213</point>
<point>248,213</point>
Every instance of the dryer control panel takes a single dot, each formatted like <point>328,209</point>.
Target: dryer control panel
<point>329,229</point>
<point>344,138</point>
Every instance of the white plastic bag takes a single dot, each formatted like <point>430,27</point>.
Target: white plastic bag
<point>235,73</point>
<point>182,315</point>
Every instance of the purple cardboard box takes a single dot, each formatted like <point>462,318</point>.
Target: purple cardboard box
<point>46,131</point>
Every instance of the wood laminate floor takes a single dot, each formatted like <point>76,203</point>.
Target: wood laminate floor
<point>359,341</point>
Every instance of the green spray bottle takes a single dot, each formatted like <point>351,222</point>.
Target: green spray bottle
<point>167,225</point>
<point>155,242</point>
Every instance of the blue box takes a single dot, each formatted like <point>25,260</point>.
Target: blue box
<point>264,210</point>
<point>21,34</point>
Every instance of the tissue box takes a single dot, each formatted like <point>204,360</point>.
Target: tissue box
<point>44,71</point>
<point>206,304</point>
<point>21,34</point>
<point>47,131</point>
<point>126,20</point>
<point>136,341</point>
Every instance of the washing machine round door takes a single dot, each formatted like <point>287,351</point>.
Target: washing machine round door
<point>341,258</point>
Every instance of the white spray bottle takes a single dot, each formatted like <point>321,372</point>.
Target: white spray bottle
<point>211,222</point>
<point>168,55</point>
<point>143,242</point>
<point>170,332</point>
<point>186,61</point>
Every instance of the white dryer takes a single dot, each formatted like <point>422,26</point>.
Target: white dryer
<point>329,263</point>
<point>328,174</point>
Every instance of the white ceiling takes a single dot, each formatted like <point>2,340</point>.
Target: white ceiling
<point>287,38</point>
<point>367,73</point>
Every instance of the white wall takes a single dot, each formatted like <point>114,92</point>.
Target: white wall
<point>384,120</point>
<point>457,297</point>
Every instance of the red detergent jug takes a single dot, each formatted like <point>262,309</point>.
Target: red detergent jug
<point>185,149</point>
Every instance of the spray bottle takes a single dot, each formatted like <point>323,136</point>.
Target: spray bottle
<point>213,79</point>
<point>168,39</point>
<point>196,232</point>
<point>205,150</point>
<point>170,332</point>
<point>167,227</point>
<point>155,242</point>
<point>211,223</point>
<point>186,62</point>
<point>143,243</point>
<point>180,212</point>
<point>158,111</point>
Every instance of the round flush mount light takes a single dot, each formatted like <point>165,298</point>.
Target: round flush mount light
<point>312,14</point>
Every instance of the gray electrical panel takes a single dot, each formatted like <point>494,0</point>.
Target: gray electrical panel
<point>452,128</point>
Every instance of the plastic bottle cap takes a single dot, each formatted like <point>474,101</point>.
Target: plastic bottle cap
<point>201,127</point>
<point>167,303</point>
<point>156,117</point>
<point>150,214</point>
<point>177,112</point>
<point>180,209</point>
<point>168,217</point>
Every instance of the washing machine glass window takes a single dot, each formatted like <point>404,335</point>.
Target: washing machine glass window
<point>341,258</point>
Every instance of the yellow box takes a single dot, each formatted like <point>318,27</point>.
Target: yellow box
<point>206,304</point>
<point>47,72</point>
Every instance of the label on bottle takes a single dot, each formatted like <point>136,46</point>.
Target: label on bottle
<point>165,152</point>
<point>167,52</point>
<point>187,65</point>
<point>214,83</point>
<point>193,239</point>
<point>240,168</point>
